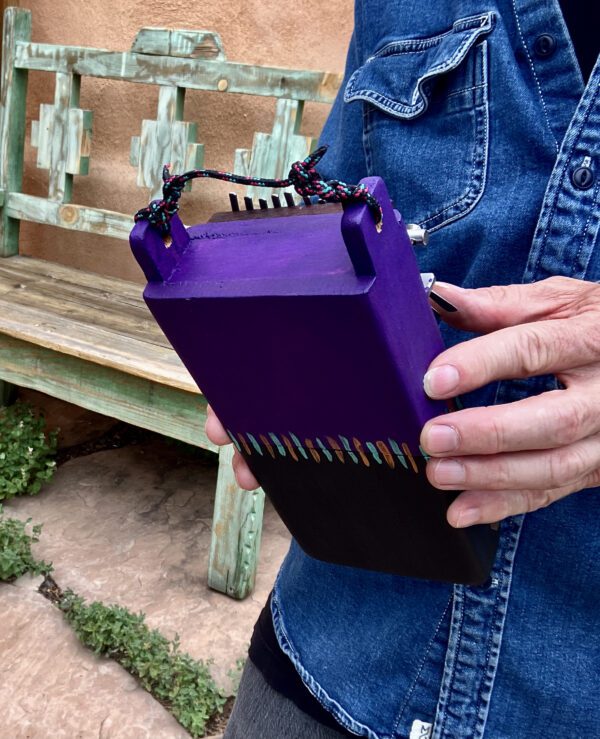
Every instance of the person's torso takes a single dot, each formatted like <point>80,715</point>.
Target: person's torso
<point>477,117</point>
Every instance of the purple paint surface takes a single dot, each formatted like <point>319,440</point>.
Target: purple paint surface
<point>281,334</point>
<point>310,335</point>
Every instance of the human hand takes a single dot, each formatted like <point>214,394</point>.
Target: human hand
<point>217,434</point>
<point>521,456</point>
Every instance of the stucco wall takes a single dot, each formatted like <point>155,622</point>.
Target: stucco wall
<point>309,34</point>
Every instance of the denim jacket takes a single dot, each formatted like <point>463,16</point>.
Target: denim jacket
<point>488,137</point>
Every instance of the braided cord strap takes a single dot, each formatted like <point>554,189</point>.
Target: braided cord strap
<point>303,176</point>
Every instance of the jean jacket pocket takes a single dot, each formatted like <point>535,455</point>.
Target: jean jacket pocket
<point>426,119</point>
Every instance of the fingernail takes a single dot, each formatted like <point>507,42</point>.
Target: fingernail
<point>468,517</point>
<point>447,285</point>
<point>439,439</point>
<point>441,381</point>
<point>449,472</point>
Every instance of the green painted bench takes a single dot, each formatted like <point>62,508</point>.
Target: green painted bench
<point>89,339</point>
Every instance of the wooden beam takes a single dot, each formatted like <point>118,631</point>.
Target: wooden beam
<point>141,402</point>
<point>17,27</point>
<point>181,42</point>
<point>4,4</point>
<point>198,74</point>
<point>236,533</point>
<point>71,216</point>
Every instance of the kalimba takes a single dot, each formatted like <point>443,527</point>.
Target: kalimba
<point>309,331</point>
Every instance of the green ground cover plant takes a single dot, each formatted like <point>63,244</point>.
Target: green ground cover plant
<point>183,685</point>
<point>26,451</point>
<point>15,549</point>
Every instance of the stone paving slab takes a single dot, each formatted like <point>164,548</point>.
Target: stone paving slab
<point>128,526</point>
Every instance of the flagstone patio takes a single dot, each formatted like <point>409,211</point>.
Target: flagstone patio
<point>128,526</point>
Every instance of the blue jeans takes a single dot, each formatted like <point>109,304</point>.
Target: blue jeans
<point>477,136</point>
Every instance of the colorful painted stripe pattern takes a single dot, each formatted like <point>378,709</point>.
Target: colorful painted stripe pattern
<point>329,449</point>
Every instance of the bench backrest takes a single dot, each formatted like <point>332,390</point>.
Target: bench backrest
<point>176,61</point>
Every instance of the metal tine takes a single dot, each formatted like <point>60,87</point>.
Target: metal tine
<point>442,303</point>
<point>235,205</point>
<point>263,204</point>
<point>289,199</point>
<point>307,201</point>
<point>276,201</point>
<point>248,202</point>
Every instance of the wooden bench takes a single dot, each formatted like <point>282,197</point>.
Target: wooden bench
<point>89,339</point>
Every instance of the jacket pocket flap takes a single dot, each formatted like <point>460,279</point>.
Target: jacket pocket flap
<point>395,78</point>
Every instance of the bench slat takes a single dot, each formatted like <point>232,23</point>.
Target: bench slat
<point>77,217</point>
<point>166,410</point>
<point>113,311</point>
<point>87,316</point>
<point>193,74</point>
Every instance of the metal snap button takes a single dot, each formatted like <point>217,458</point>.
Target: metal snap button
<point>544,45</point>
<point>583,178</point>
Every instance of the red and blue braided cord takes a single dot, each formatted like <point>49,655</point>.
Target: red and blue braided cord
<point>302,176</point>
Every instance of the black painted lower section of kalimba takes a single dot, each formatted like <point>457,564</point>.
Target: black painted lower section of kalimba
<point>376,517</point>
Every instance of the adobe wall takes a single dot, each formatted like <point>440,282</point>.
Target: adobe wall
<point>310,34</point>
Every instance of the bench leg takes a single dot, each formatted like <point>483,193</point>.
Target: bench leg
<point>236,531</point>
<point>8,393</point>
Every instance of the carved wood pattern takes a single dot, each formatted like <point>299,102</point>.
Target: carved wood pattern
<point>272,153</point>
<point>63,138</point>
<point>166,140</point>
<point>178,42</point>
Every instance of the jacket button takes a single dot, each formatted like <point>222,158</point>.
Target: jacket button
<point>583,178</point>
<point>544,45</point>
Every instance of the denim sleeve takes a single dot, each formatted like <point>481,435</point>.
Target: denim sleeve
<point>343,133</point>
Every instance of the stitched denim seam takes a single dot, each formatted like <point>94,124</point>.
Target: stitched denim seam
<point>585,229</point>
<point>313,686</point>
<point>350,94</point>
<point>420,669</point>
<point>474,23</point>
<point>499,621</point>
<point>417,107</point>
<point>480,150</point>
<point>482,705</point>
<point>549,213</point>
<point>453,651</point>
<point>388,103</point>
<point>494,623</point>
<point>481,86</point>
<point>366,132</point>
<point>532,67</point>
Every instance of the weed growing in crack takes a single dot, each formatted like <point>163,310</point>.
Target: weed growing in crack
<point>183,685</point>
<point>15,549</point>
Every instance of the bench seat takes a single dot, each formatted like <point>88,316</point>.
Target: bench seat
<point>96,318</point>
<point>91,340</point>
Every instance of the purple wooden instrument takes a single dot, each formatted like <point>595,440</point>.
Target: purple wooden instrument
<point>310,336</point>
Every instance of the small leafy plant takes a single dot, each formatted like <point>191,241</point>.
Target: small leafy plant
<point>26,452</point>
<point>183,685</point>
<point>15,549</point>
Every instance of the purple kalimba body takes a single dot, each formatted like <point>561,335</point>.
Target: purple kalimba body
<point>309,335</point>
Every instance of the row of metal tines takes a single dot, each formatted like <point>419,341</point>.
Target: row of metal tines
<point>263,203</point>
